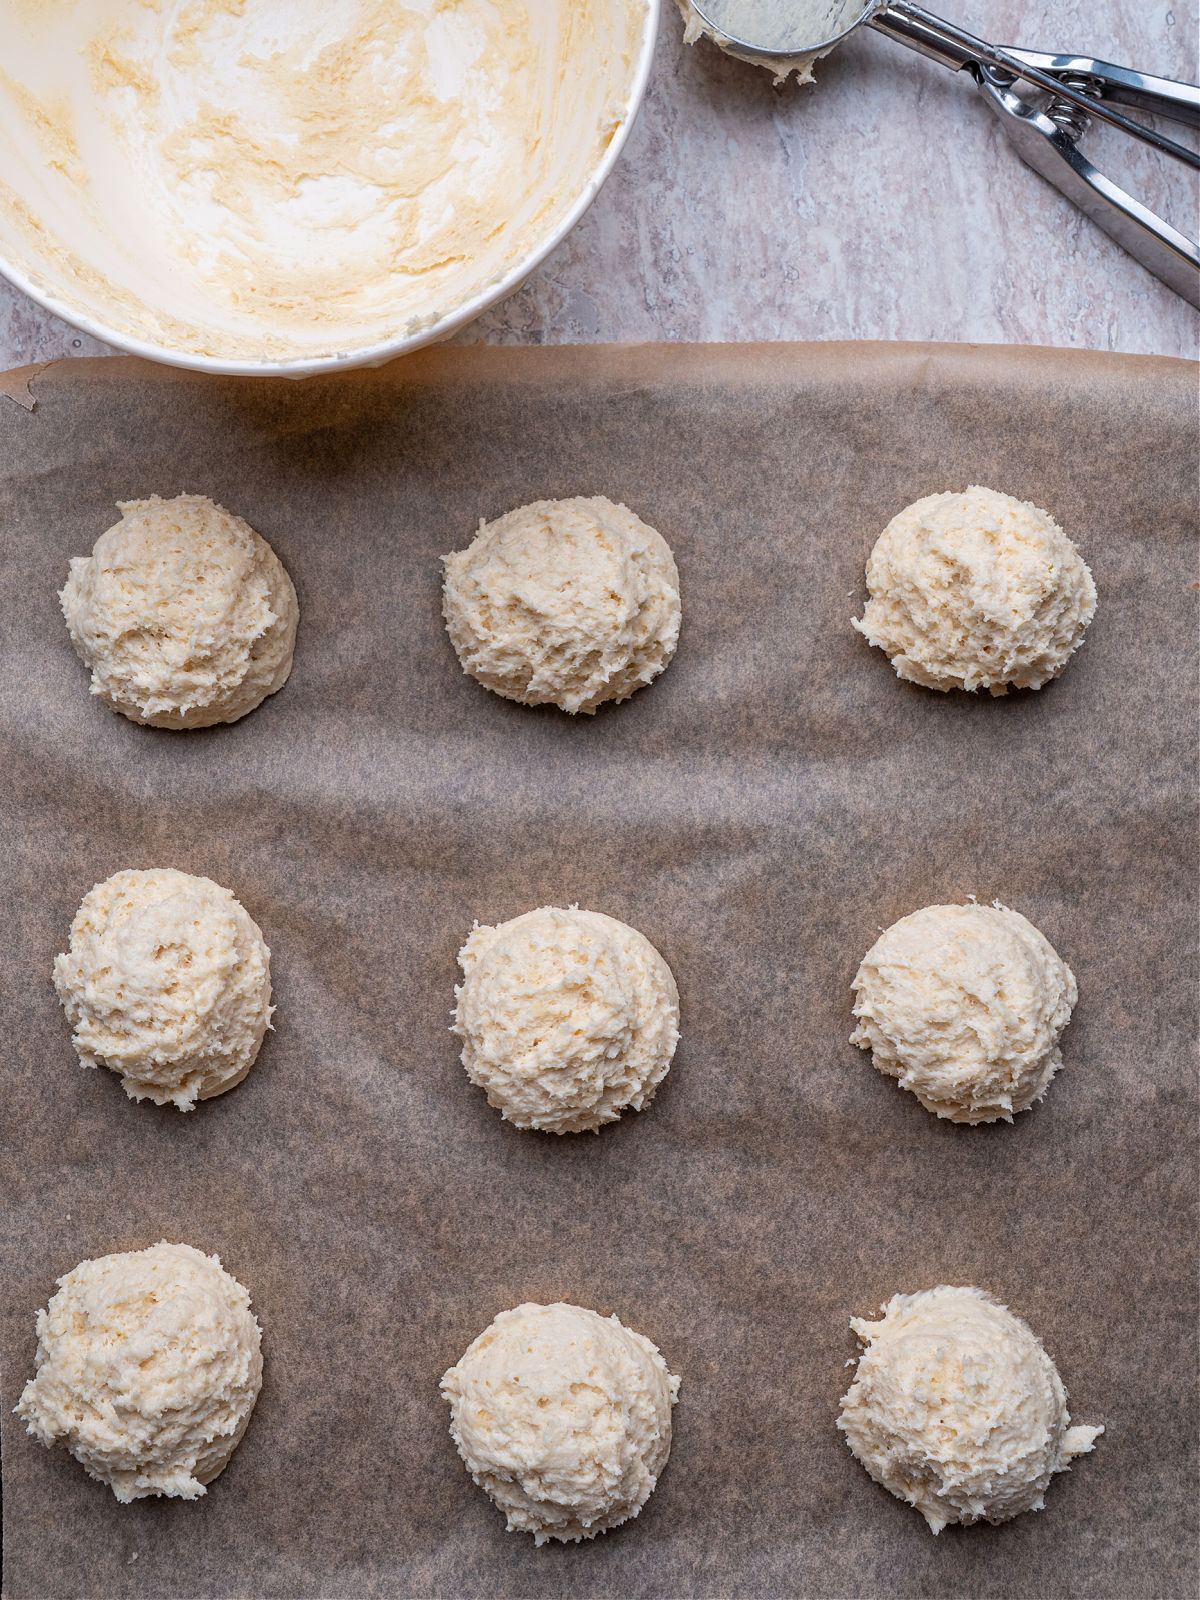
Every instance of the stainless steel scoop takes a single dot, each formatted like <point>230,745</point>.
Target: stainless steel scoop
<point>1045,103</point>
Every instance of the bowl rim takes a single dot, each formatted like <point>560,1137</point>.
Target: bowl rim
<point>385,350</point>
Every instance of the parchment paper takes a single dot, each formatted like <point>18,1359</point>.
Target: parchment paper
<point>760,812</point>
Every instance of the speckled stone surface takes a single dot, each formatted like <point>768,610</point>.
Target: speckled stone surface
<point>884,203</point>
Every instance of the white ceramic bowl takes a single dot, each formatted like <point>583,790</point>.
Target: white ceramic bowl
<point>285,187</point>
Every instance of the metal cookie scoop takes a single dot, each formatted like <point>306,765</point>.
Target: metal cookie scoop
<point>1045,103</point>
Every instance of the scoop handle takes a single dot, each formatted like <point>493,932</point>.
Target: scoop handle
<point>1161,97</point>
<point>920,30</point>
<point>1048,147</point>
<point>954,47</point>
<point>1045,137</point>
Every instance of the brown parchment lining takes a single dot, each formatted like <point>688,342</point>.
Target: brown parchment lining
<point>759,813</point>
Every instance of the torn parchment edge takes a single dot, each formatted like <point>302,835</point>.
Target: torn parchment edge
<point>15,385</point>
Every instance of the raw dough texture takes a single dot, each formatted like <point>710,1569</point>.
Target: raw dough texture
<point>564,602</point>
<point>965,1005</point>
<point>564,1417</point>
<point>148,1367</point>
<point>184,614</point>
<point>567,1018</point>
<point>957,1409</point>
<point>168,982</point>
<point>976,591</point>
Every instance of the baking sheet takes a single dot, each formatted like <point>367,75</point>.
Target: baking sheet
<point>759,813</point>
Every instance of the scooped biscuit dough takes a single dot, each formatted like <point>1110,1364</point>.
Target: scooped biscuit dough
<point>168,983</point>
<point>563,1417</point>
<point>976,591</point>
<point>957,1409</point>
<point>564,602</point>
<point>965,1005</point>
<point>567,1018</point>
<point>184,614</point>
<point>148,1367</point>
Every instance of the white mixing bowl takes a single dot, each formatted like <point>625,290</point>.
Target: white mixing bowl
<point>290,186</point>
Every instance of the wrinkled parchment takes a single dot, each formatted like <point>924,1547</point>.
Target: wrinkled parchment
<point>759,813</point>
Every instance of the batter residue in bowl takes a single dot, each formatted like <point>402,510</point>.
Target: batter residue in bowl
<point>255,178</point>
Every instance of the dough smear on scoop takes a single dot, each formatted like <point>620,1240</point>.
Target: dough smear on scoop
<point>956,1408</point>
<point>184,614</point>
<point>564,602</point>
<point>567,1018</point>
<point>168,982</point>
<point>976,591</point>
<point>148,1367</point>
<point>965,1005</point>
<point>810,21</point>
<point>563,1417</point>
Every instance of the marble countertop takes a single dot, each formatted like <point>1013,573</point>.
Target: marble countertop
<point>884,203</point>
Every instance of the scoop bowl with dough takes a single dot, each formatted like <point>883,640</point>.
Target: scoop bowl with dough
<point>569,603</point>
<point>976,591</point>
<point>563,1417</point>
<point>185,616</point>
<point>792,26</point>
<point>956,1408</point>
<point>297,186</point>
<point>167,982</point>
<point>148,1367</point>
<point>567,1017</point>
<point>965,1005</point>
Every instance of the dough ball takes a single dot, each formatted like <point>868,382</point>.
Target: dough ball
<point>567,1018</point>
<point>957,1409</point>
<point>184,614</point>
<point>148,1367</point>
<point>168,982</point>
<point>965,1005</point>
<point>564,602</point>
<point>564,1418</point>
<point>976,591</point>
